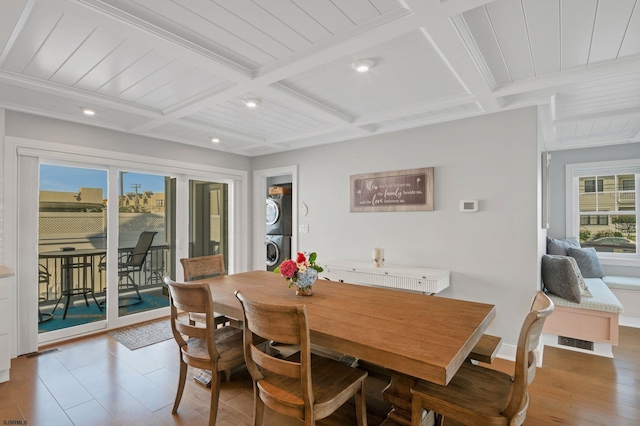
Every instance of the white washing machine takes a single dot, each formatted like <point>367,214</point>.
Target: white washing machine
<point>278,214</point>
<point>278,249</point>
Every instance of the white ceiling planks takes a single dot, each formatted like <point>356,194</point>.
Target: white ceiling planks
<point>181,69</point>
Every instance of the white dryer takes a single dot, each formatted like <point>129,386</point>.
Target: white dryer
<point>278,249</point>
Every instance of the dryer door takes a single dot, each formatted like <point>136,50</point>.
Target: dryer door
<point>273,212</point>
<point>273,255</point>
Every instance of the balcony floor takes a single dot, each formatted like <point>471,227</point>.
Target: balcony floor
<point>79,313</point>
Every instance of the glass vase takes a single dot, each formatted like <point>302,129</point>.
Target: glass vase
<point>304,291</point>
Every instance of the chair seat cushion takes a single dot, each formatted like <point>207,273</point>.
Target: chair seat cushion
<point>329,378</point>
<point>475,394</point>
<point>228,344</point>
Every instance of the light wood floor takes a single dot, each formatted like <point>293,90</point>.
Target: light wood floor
<point>97,381</point>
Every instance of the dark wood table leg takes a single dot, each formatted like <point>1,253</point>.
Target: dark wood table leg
<point>398,394</point>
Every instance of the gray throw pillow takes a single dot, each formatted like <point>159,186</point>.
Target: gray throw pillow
<point>560,247</point>
<point>561,276</point>
<point>588,262</point>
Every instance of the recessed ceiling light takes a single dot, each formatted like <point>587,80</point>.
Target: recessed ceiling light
<point>88,111</point>
<point>252,102</point>
<point>215,140</point>
<point>362,66</point>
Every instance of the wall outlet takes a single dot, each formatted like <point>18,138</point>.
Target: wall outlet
<point>303,229</point>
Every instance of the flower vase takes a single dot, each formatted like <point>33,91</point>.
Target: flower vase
<point>304,282</point>
<point>304,291</point>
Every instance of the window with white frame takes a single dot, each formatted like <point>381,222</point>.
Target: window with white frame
<point>603,206</point>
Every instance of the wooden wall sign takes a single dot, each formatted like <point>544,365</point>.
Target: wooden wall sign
<point>397,191</point>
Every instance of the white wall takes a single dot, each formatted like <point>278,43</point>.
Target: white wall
<point>493,254</point>
<point>2,191</point>
<point>557,176</point>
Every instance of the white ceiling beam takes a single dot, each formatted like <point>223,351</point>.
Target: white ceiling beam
<point>416,109</point>
<point>171,43</point>
<point>568,78</point>
<point>67,92</point>
<point>597,115</point>
<point>440,31</point>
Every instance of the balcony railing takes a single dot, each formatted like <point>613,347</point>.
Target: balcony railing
<point>86,271</point>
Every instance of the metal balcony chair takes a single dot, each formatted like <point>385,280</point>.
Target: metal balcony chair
<point>133,265</point>
<point>43,279</point>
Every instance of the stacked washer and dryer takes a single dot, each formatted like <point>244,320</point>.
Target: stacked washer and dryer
<point>279,226</point>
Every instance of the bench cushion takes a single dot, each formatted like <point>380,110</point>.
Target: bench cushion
<point>622,283</point>
<point>603,299</point>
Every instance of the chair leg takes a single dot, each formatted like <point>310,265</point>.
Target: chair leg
<point>181,382</point>
<point>215,397</point>
<point>258,407</point>
<point>361,407</point>
<point>416,411</point>
<point>227,375</point>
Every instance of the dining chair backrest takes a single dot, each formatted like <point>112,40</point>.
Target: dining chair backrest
<point>137,257</point>
<point>525,367</point>
<point>202,267</point>
<point>192,297</point>
<point>284,324</point>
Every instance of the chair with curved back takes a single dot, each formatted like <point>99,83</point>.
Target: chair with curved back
<point>208,347</point>
<point>304,387</point>
<point>202,267</point>
<point>481,396</point>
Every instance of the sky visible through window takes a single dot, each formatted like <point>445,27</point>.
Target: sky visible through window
<point>71,179</point>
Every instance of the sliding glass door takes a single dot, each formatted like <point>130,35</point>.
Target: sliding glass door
<point>146,240</point>
<point>208,219</point>
<point>73,288</point>
<point>72,235</point>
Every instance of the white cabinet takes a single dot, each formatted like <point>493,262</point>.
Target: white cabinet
<point>5,321</point>
<point>409,278</point>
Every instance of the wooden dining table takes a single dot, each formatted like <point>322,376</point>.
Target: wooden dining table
<point>413,336</point>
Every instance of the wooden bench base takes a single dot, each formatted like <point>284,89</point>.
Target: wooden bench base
<point>630,299</point>
<point>583,324</point>
<point>486,349</point>
<point>598,327</point>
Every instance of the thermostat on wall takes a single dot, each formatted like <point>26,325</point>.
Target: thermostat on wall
<point>468,206</point>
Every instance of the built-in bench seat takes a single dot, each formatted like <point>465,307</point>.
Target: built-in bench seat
<point>627,290</point>
<point>580,322</point>
<point>592,322</point>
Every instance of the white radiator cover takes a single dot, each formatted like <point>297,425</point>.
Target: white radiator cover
<point>408,278</point>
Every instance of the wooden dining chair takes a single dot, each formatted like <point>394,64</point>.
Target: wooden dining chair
<point>303,386</point>
<point>481,396</point>
<point>202,267</point>
<point>196,268</point>
<point>208,347</point>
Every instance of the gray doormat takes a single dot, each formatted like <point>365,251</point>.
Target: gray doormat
<point>140,335</point>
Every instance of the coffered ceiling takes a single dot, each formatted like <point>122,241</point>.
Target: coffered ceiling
<point>181,69</point>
